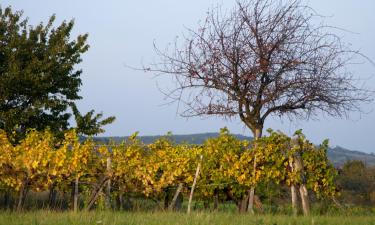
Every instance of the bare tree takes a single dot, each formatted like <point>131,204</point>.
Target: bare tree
<point>265,57</point>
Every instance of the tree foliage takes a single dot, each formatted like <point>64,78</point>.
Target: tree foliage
<point>357,182</point>
<point>38,75</point>
<point>90,123</point>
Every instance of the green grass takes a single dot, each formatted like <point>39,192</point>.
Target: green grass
<point>162,218</point>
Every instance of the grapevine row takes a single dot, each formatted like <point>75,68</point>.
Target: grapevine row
<point>41,162</point>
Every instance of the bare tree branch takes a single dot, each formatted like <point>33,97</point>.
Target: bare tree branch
<point>265,57</point>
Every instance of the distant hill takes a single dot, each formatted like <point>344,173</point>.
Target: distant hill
<point>338,155</point>
<point>181,138</point>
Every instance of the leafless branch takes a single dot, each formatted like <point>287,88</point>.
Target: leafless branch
<point>265,57</point>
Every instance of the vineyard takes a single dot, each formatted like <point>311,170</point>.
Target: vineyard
<point>222,170</point>
<point>257,60</point>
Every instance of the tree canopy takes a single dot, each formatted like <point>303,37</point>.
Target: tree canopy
<point>38,78</point>
<point>90,123</point>
<point>264,57</point>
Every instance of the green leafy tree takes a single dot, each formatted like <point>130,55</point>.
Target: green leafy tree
<point>357,183</point>
<point>90,123</point>
<point>38,75</point>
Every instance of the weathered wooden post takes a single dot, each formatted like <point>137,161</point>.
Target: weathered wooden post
<point>194,183</point>
<point>75,197</point>
<point>176,194</point>
<point>293,190</point>
<point>298,166</point>
<point>108,190</point>
<point>294,199</point>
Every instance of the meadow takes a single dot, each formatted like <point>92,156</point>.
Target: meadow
<point>165,218</point>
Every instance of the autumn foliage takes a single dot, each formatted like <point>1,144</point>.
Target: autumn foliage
<point>42,163</point>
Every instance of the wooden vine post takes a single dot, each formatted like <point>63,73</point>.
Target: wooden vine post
<point>95,194</point>
<point>298,167</point>
<point>75,198</point>
<point>178,191</point>
<point>293,189</point>
<point>303,191</point>
<point>108,190</point>
<point>194,184</point>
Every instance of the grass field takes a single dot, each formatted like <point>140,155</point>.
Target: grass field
<point>161,218</point>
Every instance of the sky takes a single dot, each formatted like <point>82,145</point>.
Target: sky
<point>122,32</point>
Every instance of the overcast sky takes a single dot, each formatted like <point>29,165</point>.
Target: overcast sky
<point>123,31</point>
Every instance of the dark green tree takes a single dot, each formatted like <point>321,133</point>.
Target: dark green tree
<point>357,183</point>
<point>354,182</point>
<point>38,75</point>
<point>90,123</point>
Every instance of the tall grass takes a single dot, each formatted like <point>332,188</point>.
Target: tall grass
<point>168,218</point>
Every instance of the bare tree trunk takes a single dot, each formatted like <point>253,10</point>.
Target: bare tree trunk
<point>121,201</point>
<point>250,208</point>
<point>75,198</point>
<point>7,199</point>
<point>167,192</point>
<point>293,192</point>
<point>52,196</point>
<point>194,183</point>
<point>216,199</point>
<point>108,190</point>
<point>176,194</point>
<point>20,200</point>
<point>252,190</point>
<point>22,195</point>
